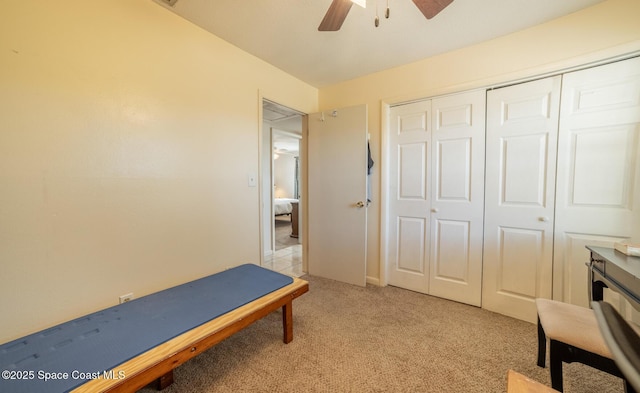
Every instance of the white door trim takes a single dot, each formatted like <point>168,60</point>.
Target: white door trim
<point>385,107</point>
<point>261,180</point>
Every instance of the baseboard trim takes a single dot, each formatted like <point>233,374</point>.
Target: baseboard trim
<point>373,281</point>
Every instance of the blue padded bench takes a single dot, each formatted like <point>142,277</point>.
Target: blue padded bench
<point>126,347</point>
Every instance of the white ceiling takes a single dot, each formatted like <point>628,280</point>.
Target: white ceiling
<point>285,33</point>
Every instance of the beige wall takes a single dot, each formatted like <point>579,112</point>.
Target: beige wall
<point>127,134</point>
<point>126,138</point>
<point>608,29</point>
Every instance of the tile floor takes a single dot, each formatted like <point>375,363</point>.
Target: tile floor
<point>286,261</point>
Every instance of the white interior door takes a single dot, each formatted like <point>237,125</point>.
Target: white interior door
<point>337,212</point>
<point>457,202</point>
<point>522,126</point>
<point>598,194</point>
<point>435,196</point>
<point>409,196</point>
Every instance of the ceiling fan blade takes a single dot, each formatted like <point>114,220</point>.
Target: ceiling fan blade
<point>335,15</point>
<point>431,8</point>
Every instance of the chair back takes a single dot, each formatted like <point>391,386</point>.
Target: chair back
<point>622,339</point>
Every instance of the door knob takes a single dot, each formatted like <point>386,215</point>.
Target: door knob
<point>434,210</point>
<point>360,204</point>
<point>543,219</point>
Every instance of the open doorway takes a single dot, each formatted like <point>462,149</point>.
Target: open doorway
<point>282,179</point>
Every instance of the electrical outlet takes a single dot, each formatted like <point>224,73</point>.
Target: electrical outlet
<point>126,298</point>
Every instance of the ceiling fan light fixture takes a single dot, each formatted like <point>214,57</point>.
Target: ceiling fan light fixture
<point>339,9</point>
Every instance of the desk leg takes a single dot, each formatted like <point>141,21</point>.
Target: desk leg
<point>596,288</point>
<point>597,291</point>
<point>287,322</point>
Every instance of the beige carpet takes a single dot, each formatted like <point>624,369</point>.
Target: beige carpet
<point>352,339</point>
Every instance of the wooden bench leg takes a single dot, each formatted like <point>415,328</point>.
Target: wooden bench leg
<point>164,381</point>
<point>542,345</point>
<point>287,322</point>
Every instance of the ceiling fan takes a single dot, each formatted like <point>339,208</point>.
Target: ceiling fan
<point>339,9</point>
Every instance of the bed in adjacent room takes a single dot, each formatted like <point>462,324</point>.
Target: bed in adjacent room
<point>283,206</point>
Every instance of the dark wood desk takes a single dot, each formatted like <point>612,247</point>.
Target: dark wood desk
<point>612,269</point>
<point>294,219</point>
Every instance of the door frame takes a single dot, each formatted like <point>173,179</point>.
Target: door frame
<point>385,107</point>
<point>278,131</point>
<point>261,181</point>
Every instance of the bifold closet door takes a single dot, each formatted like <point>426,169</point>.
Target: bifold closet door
<point>457,201</point>
<point>598,192</point>
<point>409,196</point>
<point>522,130</point>
<point>436,169</point>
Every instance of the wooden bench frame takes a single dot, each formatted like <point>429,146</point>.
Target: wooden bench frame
<point>518,383</point>
<point>157,364</point>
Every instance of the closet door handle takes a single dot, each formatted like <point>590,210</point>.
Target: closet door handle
<point>543,219</point>
<point>434,210</point>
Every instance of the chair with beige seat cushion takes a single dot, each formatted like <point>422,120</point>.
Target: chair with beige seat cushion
<point>574,336</point>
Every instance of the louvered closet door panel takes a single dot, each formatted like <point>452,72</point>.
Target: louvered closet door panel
<point>598,194</point>
<point>458,197</point>
<point>409,196</point>
<point>522,125</point>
